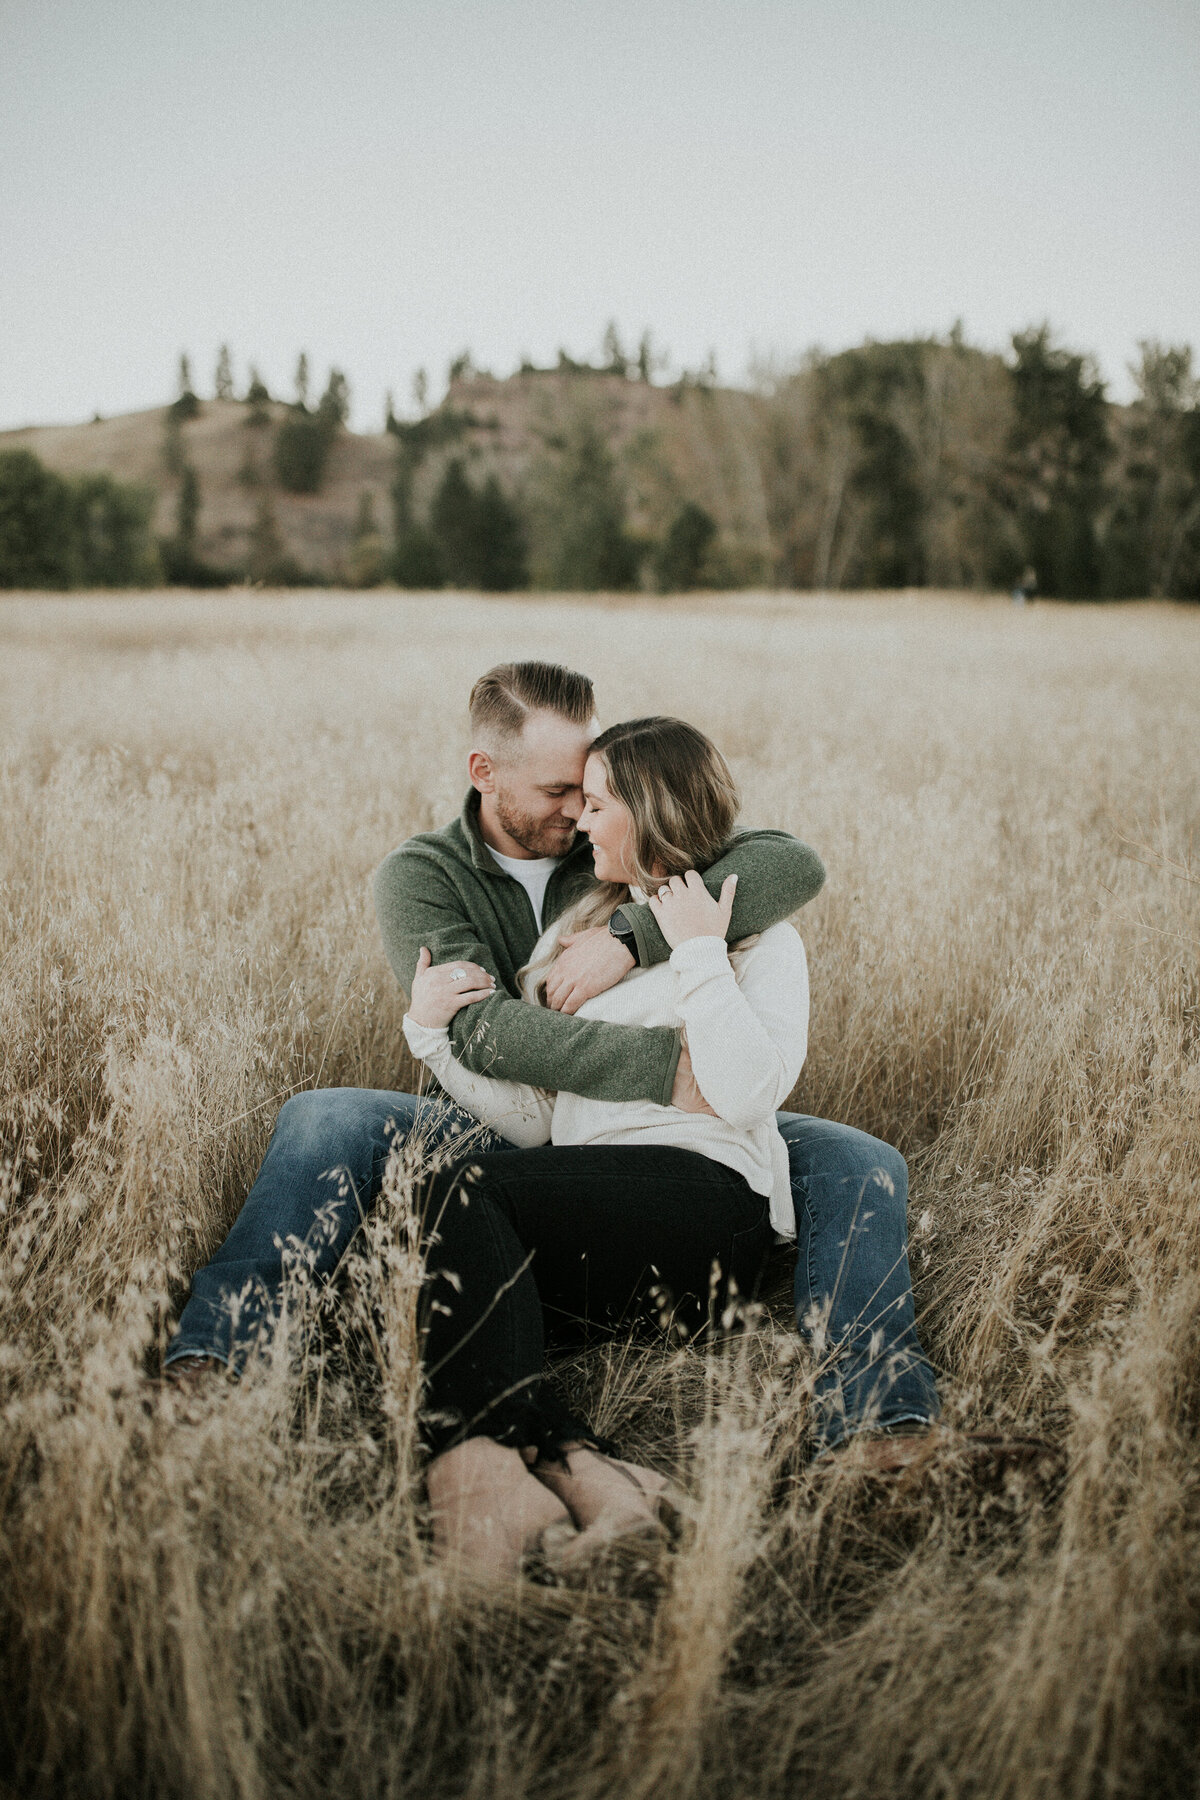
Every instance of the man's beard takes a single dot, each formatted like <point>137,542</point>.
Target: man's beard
<point>541,837</point>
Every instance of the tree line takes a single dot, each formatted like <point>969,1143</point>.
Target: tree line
<point>924,462</point>
<point>932,463</point>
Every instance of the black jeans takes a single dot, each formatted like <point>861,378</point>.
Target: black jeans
<point>522,1245</point>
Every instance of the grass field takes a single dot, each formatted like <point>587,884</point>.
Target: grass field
<point>1004,969</point>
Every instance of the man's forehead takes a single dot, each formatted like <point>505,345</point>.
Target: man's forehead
<point>553,748</point>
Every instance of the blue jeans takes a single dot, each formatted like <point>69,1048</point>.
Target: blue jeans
<point>325,1165</point>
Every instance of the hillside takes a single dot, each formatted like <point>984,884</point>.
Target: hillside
<point>920,463</point>
<point>233,463</point>
<point>670,444</point>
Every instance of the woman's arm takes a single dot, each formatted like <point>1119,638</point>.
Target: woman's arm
<point>746,1032</point>
<point>777,875</point>
<point>519,1113</point>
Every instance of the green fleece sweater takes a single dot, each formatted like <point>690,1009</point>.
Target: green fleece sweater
<point>445,889</point>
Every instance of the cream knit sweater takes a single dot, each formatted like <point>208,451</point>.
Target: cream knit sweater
<point>744,1013</point>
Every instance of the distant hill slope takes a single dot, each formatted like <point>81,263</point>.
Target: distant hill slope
<point>671,444</point>
<point>233,462</point>
<point>915,463</point>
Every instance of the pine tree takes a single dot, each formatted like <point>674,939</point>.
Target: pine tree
<point>645,358</point>
<point>300,453</point>
<point>266,555</point>
<point>111,531</point>
<point>1061,447</point>
<point>366,555</point>
<point>185,406</point>
<point>257,399</point>
<point>500,536</point>
<point>187,514</point>
<point>1152,541</point>
<point>35,524</point>
<point>415,562</point>
<point>304,440</point>
<point>479,536</point>
<point>680,558</point>
<point>249,473</point>
<point>615,360</point>
<point>174,460</point>
<point>578,512</point>
<point>88,531</point>
<point>302,382</point>
<point>452,522</point>
<point>223,378</point>
<point>334,404</point>
<point>181,561</point>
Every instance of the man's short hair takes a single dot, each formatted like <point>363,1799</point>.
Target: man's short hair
<point>503,699</point>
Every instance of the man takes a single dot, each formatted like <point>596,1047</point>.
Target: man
<point>478,892</point>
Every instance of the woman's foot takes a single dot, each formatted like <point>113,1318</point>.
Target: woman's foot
<point>606,1499</point>
<point>489,1511</point>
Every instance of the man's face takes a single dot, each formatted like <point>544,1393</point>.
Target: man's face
<point>537,791</point>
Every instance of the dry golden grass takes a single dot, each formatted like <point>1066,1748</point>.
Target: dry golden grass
<point>1005,983</point>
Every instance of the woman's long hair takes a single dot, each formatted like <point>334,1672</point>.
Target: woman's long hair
<point>684,803</point>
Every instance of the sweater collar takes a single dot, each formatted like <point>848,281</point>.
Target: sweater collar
<point>481,856</point>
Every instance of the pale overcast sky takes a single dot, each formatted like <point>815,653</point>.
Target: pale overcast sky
<point>386,182</point>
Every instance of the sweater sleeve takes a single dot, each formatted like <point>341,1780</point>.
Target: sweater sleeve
<point>519,1113</point>
<point>777,875</point>
<point>506,1037</point>
<point>747,1032</point>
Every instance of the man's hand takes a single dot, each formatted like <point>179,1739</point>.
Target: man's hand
<point>685,1094</point>
<point>685,909</point>
<point>589,963</point>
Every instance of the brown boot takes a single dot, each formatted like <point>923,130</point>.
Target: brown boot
<point>988,1457</point>
<point>885,1453</point>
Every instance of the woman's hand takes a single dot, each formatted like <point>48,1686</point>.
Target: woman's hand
<point>438,993</point>
<point>685,909</point>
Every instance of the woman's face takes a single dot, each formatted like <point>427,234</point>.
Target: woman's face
<point>609,824</point>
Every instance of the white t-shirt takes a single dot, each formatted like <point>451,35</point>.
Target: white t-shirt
<point>533,873</point>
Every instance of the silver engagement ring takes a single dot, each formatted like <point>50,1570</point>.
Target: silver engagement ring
<point>458,974</point>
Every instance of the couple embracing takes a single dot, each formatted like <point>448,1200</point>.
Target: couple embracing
<point>604,986</point>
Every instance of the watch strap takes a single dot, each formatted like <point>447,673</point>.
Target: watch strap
<point>623,931</point>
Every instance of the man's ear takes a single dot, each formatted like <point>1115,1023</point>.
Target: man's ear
<point>482,774</point>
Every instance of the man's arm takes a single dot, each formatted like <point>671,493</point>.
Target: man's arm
<point>506,1037</point>
<point>777,875</point>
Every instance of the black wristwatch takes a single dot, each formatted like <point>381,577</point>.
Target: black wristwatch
<point>623,932</point>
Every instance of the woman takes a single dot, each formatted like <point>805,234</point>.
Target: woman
<point>603,1211</point>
